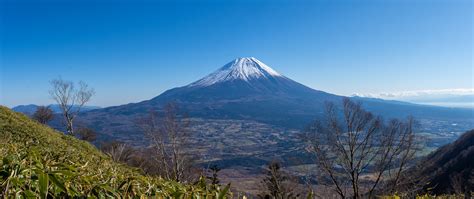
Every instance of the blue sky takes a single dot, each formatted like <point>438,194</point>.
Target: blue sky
<point>131,51</point>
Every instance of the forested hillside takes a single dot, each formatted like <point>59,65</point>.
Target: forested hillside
<point>450,169</point>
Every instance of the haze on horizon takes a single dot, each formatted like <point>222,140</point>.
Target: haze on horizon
<point>134,50</point>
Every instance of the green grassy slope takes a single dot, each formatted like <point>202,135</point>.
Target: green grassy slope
<point>37,161</point>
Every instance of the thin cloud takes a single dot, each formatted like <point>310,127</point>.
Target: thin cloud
<point>418,93</point>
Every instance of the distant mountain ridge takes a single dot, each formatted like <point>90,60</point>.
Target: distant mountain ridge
<point>31,108</point>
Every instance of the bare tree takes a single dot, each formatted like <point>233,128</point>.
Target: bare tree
<point>457,183</point>
<point>43,114</point>
<point>356,151</point>
<point>86,134</point>
<point>409,184</point>
<point>118,151</point>
<point>169,137</point>
<point>70,99</point>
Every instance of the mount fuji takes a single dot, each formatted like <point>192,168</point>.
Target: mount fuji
<point>244,79</point>
<point>242,69</point>
<point>246,89</point>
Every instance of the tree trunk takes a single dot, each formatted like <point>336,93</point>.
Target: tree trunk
<point>70,128</point>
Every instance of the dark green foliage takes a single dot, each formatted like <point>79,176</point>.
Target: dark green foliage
<point>213,177</point>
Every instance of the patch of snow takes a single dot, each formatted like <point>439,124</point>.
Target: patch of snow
<point>245,69</point>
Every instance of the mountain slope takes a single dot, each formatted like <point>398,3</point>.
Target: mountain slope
<point>450,169</point>
<point>38,161</point>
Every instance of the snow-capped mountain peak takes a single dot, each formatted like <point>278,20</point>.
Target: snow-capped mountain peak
<point>246,69</point>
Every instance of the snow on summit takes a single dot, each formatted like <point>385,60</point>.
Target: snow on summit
<point>246,68</point>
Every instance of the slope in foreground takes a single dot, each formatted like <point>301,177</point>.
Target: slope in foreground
<point>39,162</point>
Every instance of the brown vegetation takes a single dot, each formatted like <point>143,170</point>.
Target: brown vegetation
<point>87,134</point>
<point>43,114</point>
<point>169,138</point>
<point>357,143</point>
